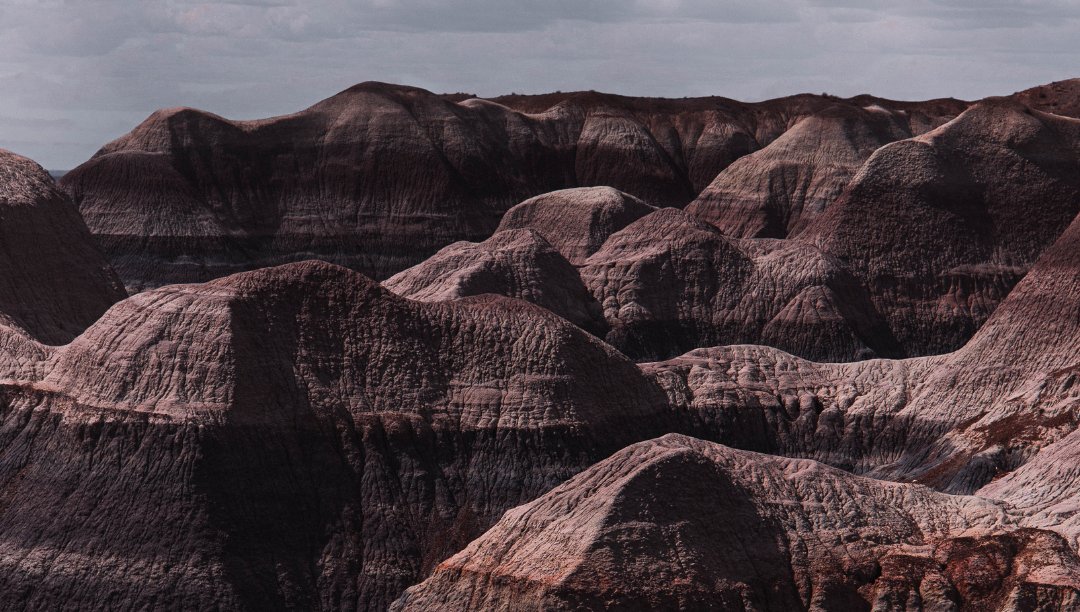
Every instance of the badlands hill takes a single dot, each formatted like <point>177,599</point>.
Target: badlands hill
<point>480,430</point>
<point>884,247</point>
<point>681,524</point>
<point>293,437</point>
<point>381,176</point>
<point>53,281</point>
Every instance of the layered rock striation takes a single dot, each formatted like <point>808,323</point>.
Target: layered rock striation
<point>54,282</point>
<point>681,524</point>
<point>294,437</point>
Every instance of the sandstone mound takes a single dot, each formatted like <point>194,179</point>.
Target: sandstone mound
<point>669,282</point>
<point>940,227</point>
<point>779,190</point>
<point>53,280</point>
<point>678,523</point>
<point>294,437</point>
<point>955,422</point>
<point>576,221</point>
<point>515,263</point>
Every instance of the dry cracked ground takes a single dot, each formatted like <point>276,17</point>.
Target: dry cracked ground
<point>573,351</point>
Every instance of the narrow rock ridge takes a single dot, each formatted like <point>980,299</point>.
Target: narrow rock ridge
<point>679,523</point>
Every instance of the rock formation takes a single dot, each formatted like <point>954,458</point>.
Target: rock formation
<point>294,437</point>
<point>514,263</point>
<point>1059,97</point>
<point>576,222</point>
<point>668,283</point>
<point>954,421</point>
<point>379,177</point>
<point>473,433</point>
<point>940,227</point>
<point>53,280</point>
<point>779,190</point>
<point>681,524</point>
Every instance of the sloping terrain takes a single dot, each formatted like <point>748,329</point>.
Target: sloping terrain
<point>576,222</point>
<point>681,524</point>
<point>380,176</point>
<point>953,421</point>
<point>474,432</point>
<point>53,280</point>
<point>779,190</point>
<point>294,437</point>
<point>514,263</point>
<point>940,227</point>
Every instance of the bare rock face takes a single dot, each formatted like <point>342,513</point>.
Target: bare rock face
<point>777,191</point>
<point>941,227</point>
<point>576,221</point>
<point>955,422</point>
<point>1059,97</point>
<point>515,263</point>
<point>669,282</point>
<point>294,437</point>
<point>380,176</point>
<point>53,280</point>
<point>678,523</point>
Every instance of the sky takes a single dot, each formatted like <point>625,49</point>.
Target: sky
<point>77,74</point>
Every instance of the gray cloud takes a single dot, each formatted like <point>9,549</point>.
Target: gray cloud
<point>75,74</point>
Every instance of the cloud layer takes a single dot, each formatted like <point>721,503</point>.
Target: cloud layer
<point>77,73</point>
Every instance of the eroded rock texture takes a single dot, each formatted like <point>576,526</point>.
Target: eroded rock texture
<point>294,437</point>
<point>53,280</point>
<point>576,222</point>
<point>379,176</point>
<point>940,227</point>
<point>678,523</point>
<point>955,421</point>
<point>514,263</point>
<point>777,191</point>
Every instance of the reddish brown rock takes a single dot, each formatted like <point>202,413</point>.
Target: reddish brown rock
<point>779,190</point>
<point>955,422</point>
<point>678,523</point>
<point>294,437</point>
<point>380,176</point>
<point>515,263</point>
<point>576,222</point>
<point>669,282</point>
<point>940,227</point>
<point>53,280</point>
<point>1059,97</point>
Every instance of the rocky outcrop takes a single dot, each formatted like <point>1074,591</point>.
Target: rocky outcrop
<point>681,524</point>
<point>515,263</point>
<point>955,422</point>
<point>779,190</point>
<point>53,280</point>
<point>294,437</point>
<point>1059,97</point>
<point>576,222</point>
<point>380,176</point>
<point>669,282</point>
<point>661,285</point>
<point>940,227</point>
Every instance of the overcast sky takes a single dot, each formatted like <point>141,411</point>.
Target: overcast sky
<point>76,74</point>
